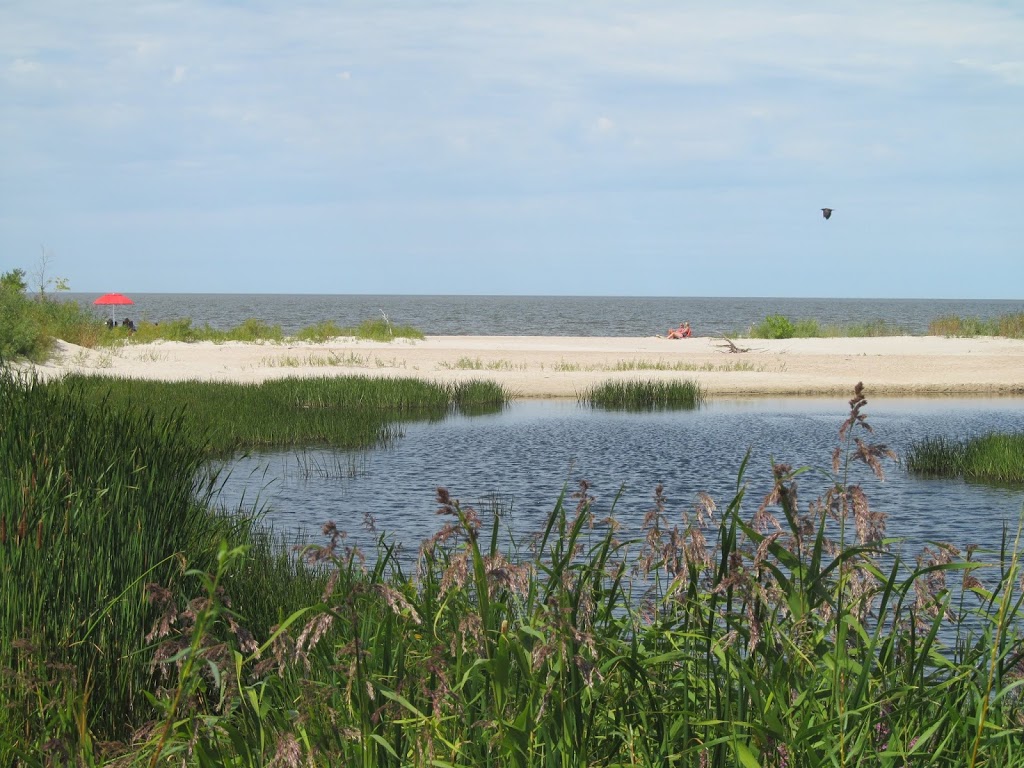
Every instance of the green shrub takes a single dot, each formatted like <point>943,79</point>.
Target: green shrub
<point>321,332</point>
<point>774,327</point>
<point>383,330</point>
<point>22,335</point>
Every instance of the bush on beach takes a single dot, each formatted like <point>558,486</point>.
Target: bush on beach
<point>29,324</point>
<point>1011,326</point>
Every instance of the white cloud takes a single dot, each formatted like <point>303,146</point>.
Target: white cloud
<point>23,67</point>
<point>1010,72</point>
<point>603,127</point>
<point>179,74</point>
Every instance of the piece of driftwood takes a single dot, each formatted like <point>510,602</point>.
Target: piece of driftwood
<point>731,346</point>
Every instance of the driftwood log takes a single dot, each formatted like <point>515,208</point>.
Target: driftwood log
<point>731,346</point>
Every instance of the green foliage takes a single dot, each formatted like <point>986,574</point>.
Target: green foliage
<point>29,325</point>
<point>94,501</point>
<point>13,281</point>
<point>781,327</point>
<point>872,328</point>
<point>341,411</point>
<point>383,330</point>
<point>21,332</point>
<point>644,395</point>
<point>993,457</point>
<point>791,635</point>
<point>321,332</point>
<point>774,327</point>
<point>1011,326</point>
<point>170,330</point>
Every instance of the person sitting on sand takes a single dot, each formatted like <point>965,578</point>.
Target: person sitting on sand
<point>682,332</point>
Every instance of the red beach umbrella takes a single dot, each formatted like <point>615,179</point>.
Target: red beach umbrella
<point>114,300</point>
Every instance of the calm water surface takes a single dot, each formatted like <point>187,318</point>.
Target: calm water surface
<point>524,457</point>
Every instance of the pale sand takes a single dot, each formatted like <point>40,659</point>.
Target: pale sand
<point>555,366</point>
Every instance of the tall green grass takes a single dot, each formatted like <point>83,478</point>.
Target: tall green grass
<point>1010,326</point>
<point>644,395</point>
<point>992,457</point>
<point>344,412</point>
<point>95,501</point>
<point>769,631</point>
<point>253,330</point>
<point>782,327</point>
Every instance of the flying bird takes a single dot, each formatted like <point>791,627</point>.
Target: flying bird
<point>826,212</point>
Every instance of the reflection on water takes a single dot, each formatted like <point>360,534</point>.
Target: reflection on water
<point>522,459</point>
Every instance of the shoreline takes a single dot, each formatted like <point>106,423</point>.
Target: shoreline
<point>563,366</point>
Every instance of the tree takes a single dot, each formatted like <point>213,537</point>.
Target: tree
<point>13,281</point>
<point>41,275</point>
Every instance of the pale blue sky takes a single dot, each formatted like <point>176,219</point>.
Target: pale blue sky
<point>581,147</point>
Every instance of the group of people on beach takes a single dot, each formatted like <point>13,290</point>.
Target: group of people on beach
<point>127,323</point>
<point>682,332</point>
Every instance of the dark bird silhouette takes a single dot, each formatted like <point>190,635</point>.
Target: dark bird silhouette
<point>826,212</point>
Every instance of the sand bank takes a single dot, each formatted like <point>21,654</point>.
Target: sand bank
<point>556,366</point>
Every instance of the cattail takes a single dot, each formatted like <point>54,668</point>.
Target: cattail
<point>39,535</point>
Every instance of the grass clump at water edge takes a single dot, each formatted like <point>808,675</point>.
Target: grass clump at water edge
<point>644,395</point>
<point>994,457</point>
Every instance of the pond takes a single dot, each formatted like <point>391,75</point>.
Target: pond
<point>520,460</point>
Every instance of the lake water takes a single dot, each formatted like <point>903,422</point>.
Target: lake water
<point>523,458</point>
<point>539,315</point>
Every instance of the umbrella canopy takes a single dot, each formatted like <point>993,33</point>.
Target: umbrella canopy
<point>114,300</point>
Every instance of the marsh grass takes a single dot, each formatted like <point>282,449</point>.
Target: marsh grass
<point>644,395</point>
<point>993,457</point>
<point>334,465</point>
<point>94,500</point>
<point>256,331</point>
<point>781,327</point>
<point>1010,326</point>
<point>769,632</point>
<point>343,412</point>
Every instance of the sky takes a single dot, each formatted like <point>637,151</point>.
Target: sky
<point>630,148</point>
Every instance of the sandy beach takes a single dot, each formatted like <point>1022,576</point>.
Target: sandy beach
<point>555,366</point>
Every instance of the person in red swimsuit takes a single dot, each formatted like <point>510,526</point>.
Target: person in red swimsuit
<point>682,332</point>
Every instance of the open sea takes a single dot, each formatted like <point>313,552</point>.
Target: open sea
<point>539,315</point>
